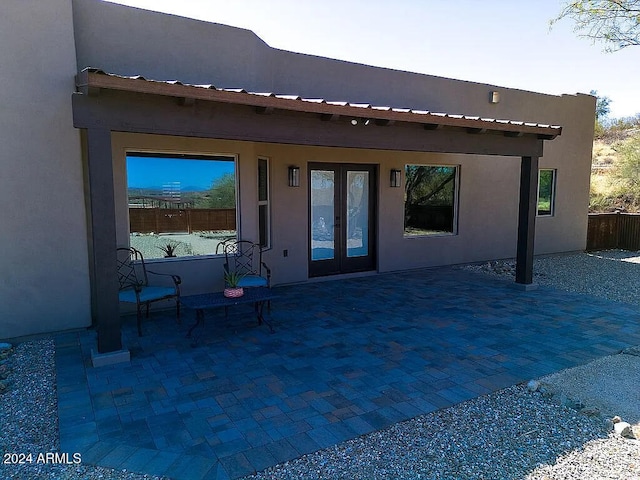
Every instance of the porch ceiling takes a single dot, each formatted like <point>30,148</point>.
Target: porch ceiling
<point>91,81</point>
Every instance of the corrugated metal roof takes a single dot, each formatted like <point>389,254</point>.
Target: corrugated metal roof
<point>96,78</point>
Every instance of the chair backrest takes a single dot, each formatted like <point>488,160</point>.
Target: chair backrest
<point>243,257</point>
<point>131,268</point>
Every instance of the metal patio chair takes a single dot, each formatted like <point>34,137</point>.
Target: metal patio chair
<point>135,286</point>
<point>245,258</point>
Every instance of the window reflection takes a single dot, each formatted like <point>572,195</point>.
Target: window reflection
<point>180,205</point>
<point>430,200</point>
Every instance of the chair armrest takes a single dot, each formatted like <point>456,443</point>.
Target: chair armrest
<point>176,278</point>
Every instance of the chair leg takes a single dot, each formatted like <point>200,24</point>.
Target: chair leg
<point>178,320</point>
<point>139,320</point>
<point>147,309</point>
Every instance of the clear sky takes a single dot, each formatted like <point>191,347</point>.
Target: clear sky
<point>150,172</point>
<point>502,42</point>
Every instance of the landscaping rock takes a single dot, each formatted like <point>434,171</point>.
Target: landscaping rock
<point>533,385</point>
<point>623,429</point>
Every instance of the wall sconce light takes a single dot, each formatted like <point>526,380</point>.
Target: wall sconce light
<point>395,179</point>
<point>294,176</point>
<point>494,97</point>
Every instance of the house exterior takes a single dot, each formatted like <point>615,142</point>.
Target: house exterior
<point>97,85</point>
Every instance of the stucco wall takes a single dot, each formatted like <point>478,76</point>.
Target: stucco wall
<point>487,214</point>
<point>44,264</point>
<point>227,56</point>
<point>166,47</point>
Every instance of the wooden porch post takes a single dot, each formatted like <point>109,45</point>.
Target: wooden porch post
<point>102,240</point>
<point>527,220</point>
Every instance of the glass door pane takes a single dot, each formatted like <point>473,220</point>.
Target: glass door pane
<point>322,213</point>
<point>357,214</point>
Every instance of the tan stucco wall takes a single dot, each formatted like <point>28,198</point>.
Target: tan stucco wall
<point>487,212</point>
<point>488,193</point>
<point>44,264</point>
<point>232,57</point>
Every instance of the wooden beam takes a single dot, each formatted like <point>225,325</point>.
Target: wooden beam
<point>88,78</point>
<point>328,117</point>
<point>527,220</point>
<point>264,110</point>
<point>546,137</point>
<point>126,112</point>
<point>102,240</point>
<point>186,102</point>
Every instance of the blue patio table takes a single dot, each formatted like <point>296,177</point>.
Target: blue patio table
<point>258,296</point>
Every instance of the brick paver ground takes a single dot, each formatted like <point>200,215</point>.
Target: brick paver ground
<point>348,357</point>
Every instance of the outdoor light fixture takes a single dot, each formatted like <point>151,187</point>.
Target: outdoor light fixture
<point>294,176</point>
<point>395,179</point>
<point>354,122</point>
<point>366,122</point>
<point>494,97</point>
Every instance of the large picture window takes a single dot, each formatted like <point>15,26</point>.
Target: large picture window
<point>546,191</point>
<point>430,200</point>
<point>180,205</point>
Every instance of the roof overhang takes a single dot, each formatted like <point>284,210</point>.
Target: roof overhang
<point>92,81</point>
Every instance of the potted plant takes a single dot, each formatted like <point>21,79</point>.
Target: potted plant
<point>169,249</point>
<point>231,280</point>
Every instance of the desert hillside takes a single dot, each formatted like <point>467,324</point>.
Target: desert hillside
<point>615,169</point>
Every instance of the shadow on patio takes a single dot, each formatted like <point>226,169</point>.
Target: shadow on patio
<point>348,357</point>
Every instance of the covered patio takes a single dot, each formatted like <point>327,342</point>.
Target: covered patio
<point>349,357</point>
<point>107,103</point>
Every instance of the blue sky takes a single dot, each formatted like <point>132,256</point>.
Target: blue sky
<point>503,42</point>
<point>148,172</point>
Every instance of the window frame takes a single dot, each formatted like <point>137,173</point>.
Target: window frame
<point>552,196</point>
<point>264,203</point>
<point>185,155</point>
<point>456,201</point>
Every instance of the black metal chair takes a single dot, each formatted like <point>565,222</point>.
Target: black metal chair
<point>245,258</point>
<point>133,277</point>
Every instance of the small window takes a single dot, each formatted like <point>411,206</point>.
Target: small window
<point>546,191</point>
<point>430,200</point>
<point>180,205</point>
<point>264,215</point>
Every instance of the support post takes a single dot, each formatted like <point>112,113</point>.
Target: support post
<point>102,240</point>
<point>527,220</point>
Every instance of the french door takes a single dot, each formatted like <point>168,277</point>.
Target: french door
<point>342,205</point>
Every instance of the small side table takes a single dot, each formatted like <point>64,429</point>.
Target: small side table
<point>256,295</point>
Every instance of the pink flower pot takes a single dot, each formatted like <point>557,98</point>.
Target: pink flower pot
<point>233,292</point>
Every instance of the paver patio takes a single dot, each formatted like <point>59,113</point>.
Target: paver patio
<point>348,357</point>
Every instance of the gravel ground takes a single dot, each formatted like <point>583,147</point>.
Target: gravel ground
<point>511,434</point>
<point>184,244</point>
<point>611,274</point>
<point>29,424</point>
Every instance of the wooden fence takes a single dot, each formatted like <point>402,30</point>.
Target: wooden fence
<point>173,220</point>
<point>613,230</point>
